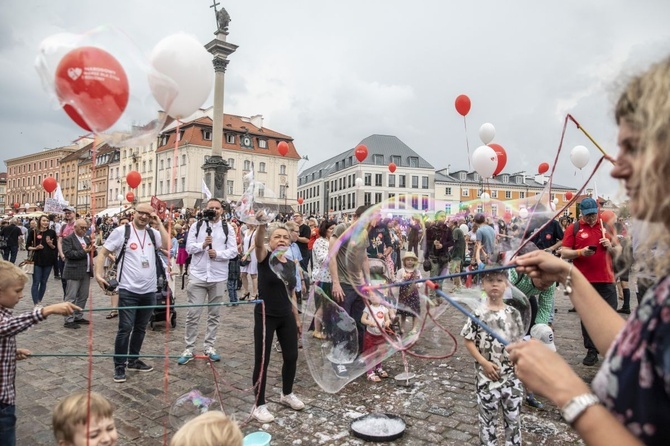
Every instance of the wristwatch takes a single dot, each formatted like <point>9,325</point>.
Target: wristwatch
<point>574,408</point>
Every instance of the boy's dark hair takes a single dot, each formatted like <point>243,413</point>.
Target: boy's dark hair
<point>480,218</point>
<point>495,272</point>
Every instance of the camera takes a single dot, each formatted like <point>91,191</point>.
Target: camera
<point>209,214</point>
<point>112,284</point>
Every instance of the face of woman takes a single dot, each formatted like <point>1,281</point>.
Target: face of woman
<point>44,223</point>
<point>628,164</point>
<point>329,232</point>
<point>279,238</point>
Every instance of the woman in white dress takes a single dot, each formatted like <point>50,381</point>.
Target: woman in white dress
<point>249,272</point>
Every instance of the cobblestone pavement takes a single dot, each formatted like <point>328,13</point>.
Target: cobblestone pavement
<point>439,407</point>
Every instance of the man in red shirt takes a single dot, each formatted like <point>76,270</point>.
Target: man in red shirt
<point>590,248</point>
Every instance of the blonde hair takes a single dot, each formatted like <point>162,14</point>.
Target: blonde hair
<point>212,428</point>
<point>73,410</point>
<point>11,274</point>
<point>645,106</point>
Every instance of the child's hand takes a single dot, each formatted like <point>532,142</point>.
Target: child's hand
<point>22,353</point>
<point>63,308</point>
<point>491,371</point>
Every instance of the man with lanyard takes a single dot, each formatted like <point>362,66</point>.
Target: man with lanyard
<point>66,228</point>
<point>137,275</point>
<point>211,248</point>
<point>590,248</point>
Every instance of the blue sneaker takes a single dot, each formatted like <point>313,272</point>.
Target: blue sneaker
<point>213,356</point>
<point>185,357</point>
<point>533,402</point>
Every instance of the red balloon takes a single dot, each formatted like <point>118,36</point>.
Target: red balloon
<point>93,87</point>
<point>543,168</point>
<point>463,104</point>
<point>507,216</point>
<point>361,152</point>
<point>16,205</point>
<point>608,216</point>
<point>300,200</point>
<point>49,184</point>
<point>568,195</point>
<point>130,197</point>
<point>392,167</point>
<point>502,157</point>
<point>133,179</point>
<point>282,148</point>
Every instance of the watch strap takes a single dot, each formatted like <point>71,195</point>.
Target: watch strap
<point>574,408</point>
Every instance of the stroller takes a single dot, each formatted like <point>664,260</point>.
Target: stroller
<point>381,275</point>
<point>160,312</point>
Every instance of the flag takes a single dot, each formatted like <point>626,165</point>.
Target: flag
<point>58,194</point>
<point>205,190</point>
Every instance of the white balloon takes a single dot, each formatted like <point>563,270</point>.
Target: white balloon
<point>187,63</point>
<point>555,201</point>
<point>552,206</point>
<point>359,182</point>
<point>485,197</point>
<point>523,213</point>
<point>579,155</point>
<point>485,161</point>
<point>487,132</point>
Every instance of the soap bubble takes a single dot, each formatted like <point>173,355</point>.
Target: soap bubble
<point>190,405</point>
<point>256,197</point>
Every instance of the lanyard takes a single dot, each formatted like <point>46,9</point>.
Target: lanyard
<point>138,238</point>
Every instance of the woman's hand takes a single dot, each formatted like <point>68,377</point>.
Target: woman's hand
<point>543,371</point>
<point>543,264</point>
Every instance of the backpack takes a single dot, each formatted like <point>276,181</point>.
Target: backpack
<point>224,224</point>
<point>160,270</point>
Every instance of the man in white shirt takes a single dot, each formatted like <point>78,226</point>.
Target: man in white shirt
<point>211,247</point>
<point>137,274</point>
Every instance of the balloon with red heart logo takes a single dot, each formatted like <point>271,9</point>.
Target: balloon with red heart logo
<point>130,197</point>
<point>392,167</point>
<point>502,157</point>
<point>282,148</point>
<point>361,152</point>
<point>569,195</point>
<point>300,200</point>
<point>133,179</point>
<point>95,87</point>
<point>49,184</point>
<point>543,168</point>
<point>463,104</point>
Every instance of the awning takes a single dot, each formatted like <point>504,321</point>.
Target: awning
<point>112,211</point>
<point>177,203</point>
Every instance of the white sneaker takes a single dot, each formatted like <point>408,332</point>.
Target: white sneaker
<point>292,401</point>
<point>262,414</point>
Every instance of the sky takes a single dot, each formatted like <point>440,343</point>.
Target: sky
<point>330,73</point>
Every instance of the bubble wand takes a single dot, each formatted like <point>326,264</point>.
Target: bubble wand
<point>579,126</point>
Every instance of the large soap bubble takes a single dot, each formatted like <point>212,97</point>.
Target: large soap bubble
<point>256,197</point>
<point>190,405</point>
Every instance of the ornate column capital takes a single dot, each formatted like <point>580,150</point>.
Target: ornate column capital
<point>220,64</point>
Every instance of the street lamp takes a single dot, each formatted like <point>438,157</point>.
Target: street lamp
<point>120,198</point>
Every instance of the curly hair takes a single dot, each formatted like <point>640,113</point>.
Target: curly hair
<point>645,106</point>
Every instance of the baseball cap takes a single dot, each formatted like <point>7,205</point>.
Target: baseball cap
<point>544,334</point>
<point>68,208</point>
<point>588,206</point>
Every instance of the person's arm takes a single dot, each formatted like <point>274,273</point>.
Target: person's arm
<point>545,302</point>
<point>165,237</point>
<point>230,250</point>
<point>546,373</point>
<point>489,368</point>
<point>100,267</point>
<point>259,243</point>
<point>338,293</point>
<point>601,321</point>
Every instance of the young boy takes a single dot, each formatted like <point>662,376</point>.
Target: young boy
<point>495,382</point>
<point>12,281</point>
<point>211,428</point>
<point>70,419</point>
<point>373,341</point>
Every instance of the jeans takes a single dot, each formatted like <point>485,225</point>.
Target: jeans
<point>40,277</point>
<point>10,252</point>
<point>132,325</point>
<point>608,292</point>
<point>354,306</point>
<point>7,424</point>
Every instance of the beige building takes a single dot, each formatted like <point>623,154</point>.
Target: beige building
<point>3,191</point>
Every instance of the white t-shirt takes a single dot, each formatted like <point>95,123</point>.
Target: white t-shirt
<point>377,312</point>
<point>135,277</point>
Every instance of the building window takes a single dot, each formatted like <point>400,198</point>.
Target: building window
<point>282,169</point>
<point>144,190</point>
<point>413,161</point>
<point>391,180</point>
<point>247,165</point>
<point>160,187</point>
<point>367,197</point>
<point>401,181</point>
<point>183,160</point>
<point>378,160</point>
<point>522,195</point>
<point>263,144</point>
<point>229,187</point>
<point>465,192</point>
<point>168,187</point>
<point>378,197</point>
<point>415,201</point>
<point>183,184</point>
<point>447,191</point>
<point>161,168</point>
<point>230,138</point>
<point>261,167</point>
<point>282,191</point>
<point>424,182</point>
<point>169,162</point>
<point>261,190</point>
<point>415,182</point>
<point>396,159</point>
<point>378,180</point>
<point>368,179</point>
<point>231,163</point>
<point>207,135</point>
<point>447,208</point>
<point>494,210</point>
<point>508,194</point>
<point>494,194</point>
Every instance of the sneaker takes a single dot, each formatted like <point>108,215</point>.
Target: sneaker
<point>591,358</point>
<point>262,414</point>
<point>277,346</point>
<point>185,357</point>
<point>139,366</point>
<point>623,310</point>
<point>211,353</point>
<point>119,374</point>
<point>533,402</point>
<point>292,401</point>
<point>340,370</point>
<point>82,321</point>
<point>72,325</point>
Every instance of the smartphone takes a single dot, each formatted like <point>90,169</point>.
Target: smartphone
<point>593,247</point>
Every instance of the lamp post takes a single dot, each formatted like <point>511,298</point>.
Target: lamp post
<point>286,199</point>
<point>120,198</point>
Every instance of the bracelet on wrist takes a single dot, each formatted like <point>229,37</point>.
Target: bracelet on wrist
<point>567,284</point>
<point>575,408</point>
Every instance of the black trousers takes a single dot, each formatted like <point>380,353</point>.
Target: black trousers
<point>608,292</point>
<point>287,334</point>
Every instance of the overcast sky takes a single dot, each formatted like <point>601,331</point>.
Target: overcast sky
<point>330,73</point>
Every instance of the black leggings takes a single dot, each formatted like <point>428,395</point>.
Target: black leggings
<point>287,334</point>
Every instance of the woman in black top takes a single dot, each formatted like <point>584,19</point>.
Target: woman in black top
<point>42,243</point>
<point>281,316</point>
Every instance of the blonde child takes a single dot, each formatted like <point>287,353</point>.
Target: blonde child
<point>212,428</point>
<point>12,282</point>
<point>409,301</point>
<point>495,382</point>
<point>74,424</point>
<point>373,338</point>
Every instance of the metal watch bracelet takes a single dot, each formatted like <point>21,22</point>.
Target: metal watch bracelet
<point>574,408</point>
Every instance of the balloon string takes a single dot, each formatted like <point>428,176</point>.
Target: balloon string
<point>467,143</point>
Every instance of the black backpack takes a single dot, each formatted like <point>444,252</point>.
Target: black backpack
<point>224,224</point>
<point>160,270</point>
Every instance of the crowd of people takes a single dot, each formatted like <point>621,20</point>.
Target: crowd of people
<point>628,402</point>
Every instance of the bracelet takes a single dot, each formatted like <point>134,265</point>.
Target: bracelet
<point>575,408</point>
<point>567,286</point>
<point>579,253</point>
